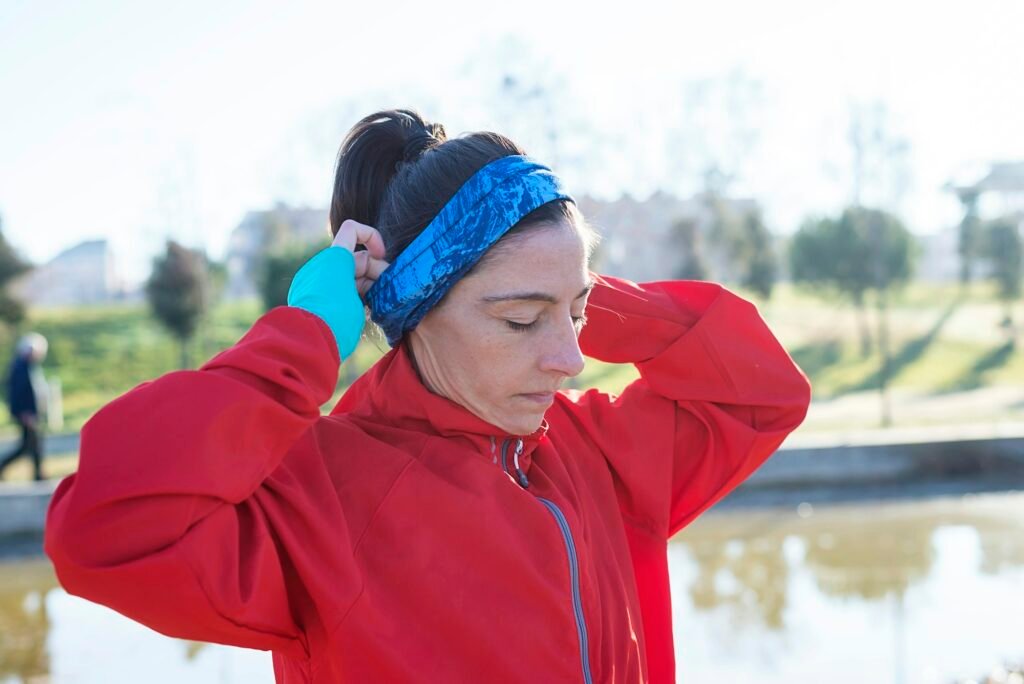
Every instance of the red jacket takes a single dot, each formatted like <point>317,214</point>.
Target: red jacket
<point>394,540</point>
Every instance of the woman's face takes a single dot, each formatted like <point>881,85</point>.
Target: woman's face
<point>509,330</point>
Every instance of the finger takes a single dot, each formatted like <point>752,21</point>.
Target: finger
<point>368,235</point>
<point>346,236</point>
<point>351,233</point>
<point>363,286</point>
<point>375,267</point>
<point>370,282</point>
<point>362,257</point>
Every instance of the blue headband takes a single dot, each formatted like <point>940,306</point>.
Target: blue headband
<point>487,205</point>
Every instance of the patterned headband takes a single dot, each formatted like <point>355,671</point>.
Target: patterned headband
<point>487,205</point>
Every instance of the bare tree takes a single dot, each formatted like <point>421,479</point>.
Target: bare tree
<point>717,131</point>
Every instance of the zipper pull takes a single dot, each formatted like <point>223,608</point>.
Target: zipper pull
<point>523,482</point>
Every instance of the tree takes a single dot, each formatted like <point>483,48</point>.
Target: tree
<point>969,237</point>
<point>178,291</point>
<point>841,255</point>
<point>865,249</point>
<point>717,130</point>
<point>892,252</point>
<point>686,235</point>
<point>275,274</point>
<point>826,253</point>
<point>879,156</point>
<point>218,276</point>
<point>760,265</point>
<point>278,267</point>
<point>738,231</point>
<point>1003,249</point>
<point>12,311</point>
<point>529,100</point>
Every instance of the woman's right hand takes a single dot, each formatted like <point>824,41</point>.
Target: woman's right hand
<point>370,261</point>
<point>332,284</point>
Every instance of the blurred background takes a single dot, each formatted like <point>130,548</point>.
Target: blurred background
<point>856,169</point>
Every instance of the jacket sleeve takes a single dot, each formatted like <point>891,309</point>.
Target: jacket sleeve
<point>167,518</point>
<point>717,394</point>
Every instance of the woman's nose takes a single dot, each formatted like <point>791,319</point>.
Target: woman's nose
<point>563,354</point>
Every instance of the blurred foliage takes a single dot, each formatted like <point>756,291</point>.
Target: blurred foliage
<point>740,235</point>
<point>1002,248</point>
<point>278,267</point>
<point>179,292</point>
<point>12,311</point>
<point>969,236</point>
<point>686,238</point>
<point>758,256</point>
<point>862,250</point>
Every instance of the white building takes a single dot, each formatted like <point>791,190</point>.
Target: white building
<point>939,261</point>
<point>636,235</point>
<point>258,233</point>
<point>996,192</point>
<point>83,274</point>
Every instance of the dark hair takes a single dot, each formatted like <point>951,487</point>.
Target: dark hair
<point>395,172</point>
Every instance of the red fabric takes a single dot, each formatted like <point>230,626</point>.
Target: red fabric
<point>383,542</point>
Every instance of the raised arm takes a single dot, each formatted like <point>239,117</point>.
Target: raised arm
<point>717,395</point>
<point>164,520</point>
<point>194,489</point>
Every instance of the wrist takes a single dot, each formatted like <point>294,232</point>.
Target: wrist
<point>325,286</point>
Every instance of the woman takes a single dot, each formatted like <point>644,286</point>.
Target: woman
<point>458,517</point>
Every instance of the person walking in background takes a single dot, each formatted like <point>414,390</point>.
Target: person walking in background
<point>27,396</point>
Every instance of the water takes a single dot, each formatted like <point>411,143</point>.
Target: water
<point>918,592</point>
<point>922,592</point>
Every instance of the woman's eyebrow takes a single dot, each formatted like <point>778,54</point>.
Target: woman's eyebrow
<point>533,296</point>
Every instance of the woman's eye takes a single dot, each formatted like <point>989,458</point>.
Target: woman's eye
<point>520,326</point>
<point>577,321</point>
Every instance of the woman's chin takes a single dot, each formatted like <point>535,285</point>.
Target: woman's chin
<point>525,424</point>
<point>517,417</point>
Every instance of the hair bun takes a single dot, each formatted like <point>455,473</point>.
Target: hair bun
<point>416,145</point>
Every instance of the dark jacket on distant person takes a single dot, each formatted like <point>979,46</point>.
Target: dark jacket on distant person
<point>22,392</point>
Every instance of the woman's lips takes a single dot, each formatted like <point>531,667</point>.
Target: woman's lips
<point>544,398</point>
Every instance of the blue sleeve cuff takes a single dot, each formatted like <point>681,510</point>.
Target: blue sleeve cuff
<point>326,287</point>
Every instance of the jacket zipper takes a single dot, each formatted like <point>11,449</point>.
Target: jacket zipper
<point>570,548</point>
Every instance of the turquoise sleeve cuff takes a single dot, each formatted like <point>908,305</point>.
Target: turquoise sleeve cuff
<point>326,287</point>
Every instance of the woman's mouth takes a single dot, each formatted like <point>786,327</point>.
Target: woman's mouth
<point>542,398</point>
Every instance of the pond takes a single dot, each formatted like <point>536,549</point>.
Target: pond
<point>915,592</point>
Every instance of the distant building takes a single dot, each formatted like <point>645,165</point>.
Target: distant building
<point>999,192</point>
<point>637,238</point>
<point>83,274</point>
<point>258,233</point>
<point>939,261</point>
<point>993,193</point>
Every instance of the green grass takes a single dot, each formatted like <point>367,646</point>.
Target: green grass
<point>941,342</point>
<point>100,352</point>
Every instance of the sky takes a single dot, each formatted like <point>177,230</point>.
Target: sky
<point>142,121</point>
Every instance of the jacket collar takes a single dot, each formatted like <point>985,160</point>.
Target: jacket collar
<point>391,391</point>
